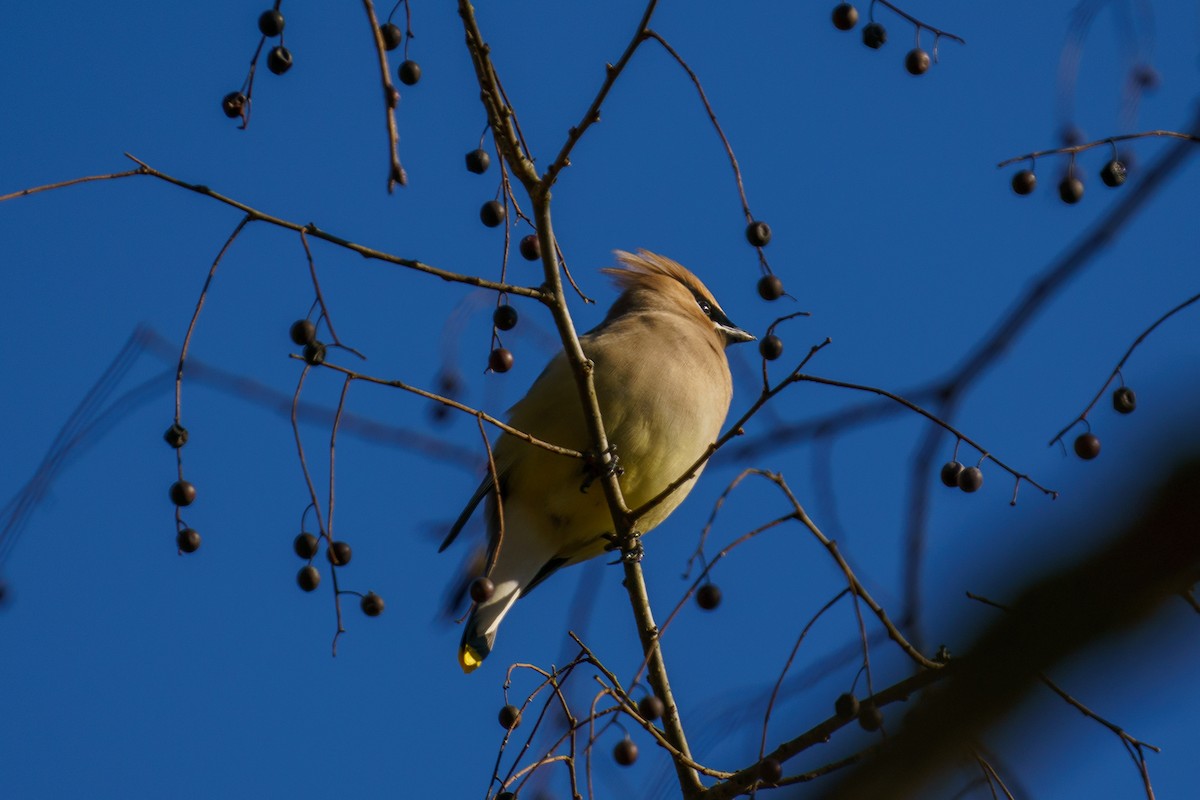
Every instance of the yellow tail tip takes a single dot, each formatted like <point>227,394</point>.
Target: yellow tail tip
<point>468,659</point>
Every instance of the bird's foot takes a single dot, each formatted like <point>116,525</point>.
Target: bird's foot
<point>598,465</point>
<point>630,546</point>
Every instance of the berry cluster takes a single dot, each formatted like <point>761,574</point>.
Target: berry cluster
<point>182,493</point>
<point>1070,188</point>
<point>874,35</point>
<point>847,707</point>
<point>1087,445</point>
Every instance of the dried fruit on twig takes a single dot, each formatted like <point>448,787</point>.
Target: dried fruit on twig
<point>308,578</point>
<point>708,596</point>
<point>651,708</point>
<point>1024,182</point>
<point>187,540</point>
<point>338,554</point>
<point>1087,446</point>
<point>771,347</point>
<point>758,233</point>
<point>305,545</point>
<point>950,473</point>
<point>371,604</point>
<point>410,73</point>
<point>770,287</point>
<point>183,493</point>
<point>845,16</point>
<point>917,61</point>
<point>510,717</point>
<point>874,35</point>
<point>970,479</point>
<point>846,706</point>
<point>626,752</point>
<point>482,589</point>
<point>1124,400</point>
<point>531,247</point>
<point>504,317</point>
<point>500,360</point>
<point>279,60</point>
<point>392,37</point>
<point>270,22</point>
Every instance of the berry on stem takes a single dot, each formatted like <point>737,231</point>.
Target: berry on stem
<point>478,161</point>
<point>410,73</point>
<point>501,360</point>
<point>846,706</point>
<point>1113,174</point>
<point>626,752</point>
<point>970,479</point>
<point>845,16</point>
<point>874,35</point>
<point>371,604</point>
<point>305,545</point>
<point>270,22</point>
<point>504,317</point>
<point>770,770</point>
<point>917,61</point>
<point>492,213</point>
<point>708,596</point>
<point>279,60</point>
<point>183,493</point>
<point>770,287</point>
<point>233,104</point>
<point>651,708</point>
<point>338,554</point>
<point>1024,182</point>
<point>314,354</point>
<point>510,717</point>
<point>482,589</point>
<point>1124,400</point>
<point>176,435</point>
<point>308,577</point>
<point>758,233</point>
<point>870,718</point>
<point>771,347</point>
<point>1087,446</point>
<point>950,472</point>
<point>1071,188</point>
<point>303,331</point>
<point>392,36</point>
<point>187,540</point>
<point>531,247</point>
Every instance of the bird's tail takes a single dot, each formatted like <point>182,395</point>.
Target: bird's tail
<point>479,634</point>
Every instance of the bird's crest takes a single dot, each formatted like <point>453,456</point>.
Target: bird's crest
<point>636,266</point>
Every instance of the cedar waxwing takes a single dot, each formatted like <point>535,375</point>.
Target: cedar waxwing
<point>664,388</point>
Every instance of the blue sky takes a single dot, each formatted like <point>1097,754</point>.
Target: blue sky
<point>134,672</point>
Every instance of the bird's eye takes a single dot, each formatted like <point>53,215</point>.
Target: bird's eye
<point>706,307</point>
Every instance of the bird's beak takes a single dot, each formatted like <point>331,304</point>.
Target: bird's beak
<point>734,334</point>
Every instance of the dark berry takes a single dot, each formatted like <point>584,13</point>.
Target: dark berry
<point>482,589</point>
<point>510,717</point>
<point>758,233</point>
<point>338,554</point>
<point>392,37</point>
<point>183,493</point>
<point>770,287</point>
<point>506,796</point>
<point>1114,173</point>
<point>1087,446</point>
<point>651,708</point>
<point>950,473</point>
<point>187,540</point>
<point>625,753</point>
<point>1071,189</point>
<point>708,596</point>
<point>771,347</point>
<point>770,770</point>
<point>478,161</point>
<point>531,247</point>
<point>410,73</point>
<point>314,354</point>
<point>501,360</point>
<point>492,213</point>
<point>270,22</point>
<point>874,35</point>
<point>870,718</point>
<point>233,104</point>
<point>308,577</point>
<point>303,331</point>
<point>279,60</point>
<point>1124,400</point>
<point>504,317</point>
<point>176,435</point>
<point>371,604</point>
<point>970,479</point>
<point>305,545</point>
<point>1024,182</point>
<point>846,706</point>
<point>917,61</point>
<point>845,16</point>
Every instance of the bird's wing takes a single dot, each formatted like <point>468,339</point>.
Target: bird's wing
<point>485,487</point>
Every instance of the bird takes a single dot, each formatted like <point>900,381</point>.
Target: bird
<point>663,385</point>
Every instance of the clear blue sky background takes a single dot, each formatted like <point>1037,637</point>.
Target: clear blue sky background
<point>131,672</point>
